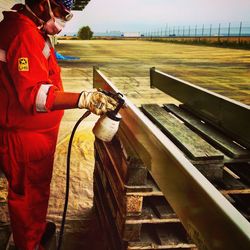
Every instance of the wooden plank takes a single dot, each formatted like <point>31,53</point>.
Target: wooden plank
<point>235,191</point>
<point>137,171</point>
<point>192,145</point>
<point>133,205</point>
<point>132,232</point>
<point>151,215</point>
<point>150,240</point>
<point>130,168</point>
<point>109,226</point>
<point>171,235</point>
<point>151,188</point>
<point>115,208</point>
<point>114,180</point>
<point>161,208</point>
<point>128,204</point>
<point>127,232</point>
<point>212,135</point>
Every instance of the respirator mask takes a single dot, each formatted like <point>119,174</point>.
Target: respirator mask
<point>54,25</point>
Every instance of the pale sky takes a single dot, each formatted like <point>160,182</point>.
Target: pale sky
<point>142,15</point>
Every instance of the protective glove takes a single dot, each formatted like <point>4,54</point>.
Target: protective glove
<point>97,102</point>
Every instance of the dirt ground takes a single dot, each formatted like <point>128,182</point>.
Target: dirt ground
<point>126,63</point>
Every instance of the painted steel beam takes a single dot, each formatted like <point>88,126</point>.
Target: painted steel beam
<point>211,221</point>
<point>226,114</point>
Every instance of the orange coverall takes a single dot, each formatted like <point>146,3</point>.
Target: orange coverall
<point>29,77</point>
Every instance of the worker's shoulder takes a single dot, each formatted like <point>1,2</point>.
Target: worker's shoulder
<point>19,26</point>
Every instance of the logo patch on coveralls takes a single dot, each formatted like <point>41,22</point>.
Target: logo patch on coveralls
<point>23,64</point>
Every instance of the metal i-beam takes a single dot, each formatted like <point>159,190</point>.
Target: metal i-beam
<point>211,221</point>
<point>226,114</point>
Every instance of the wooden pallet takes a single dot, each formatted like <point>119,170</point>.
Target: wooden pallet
<point>228,146</point>
<point>129,203</point>
<point>232,172</point>
<point>203,144</point>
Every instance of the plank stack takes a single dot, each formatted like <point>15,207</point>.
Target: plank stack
<point>219,157</point>
<point>132,210</point>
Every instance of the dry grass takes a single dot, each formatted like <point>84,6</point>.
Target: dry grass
<point>127,63</point>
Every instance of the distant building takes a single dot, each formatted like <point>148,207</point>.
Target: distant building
<point>112,33</point>
<point>131,34</point>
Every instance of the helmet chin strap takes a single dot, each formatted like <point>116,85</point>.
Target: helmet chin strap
<point>50,10</point>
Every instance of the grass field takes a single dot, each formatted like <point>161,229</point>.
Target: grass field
<point>126,63</point>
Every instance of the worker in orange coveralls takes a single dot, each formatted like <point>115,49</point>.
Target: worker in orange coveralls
<point>31,107</point>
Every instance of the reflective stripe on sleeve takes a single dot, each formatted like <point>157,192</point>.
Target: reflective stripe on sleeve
<point>41,97</point>
<point>2,55</point>
<point>46,50</point>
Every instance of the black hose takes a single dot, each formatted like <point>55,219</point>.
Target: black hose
<point>86,114</point>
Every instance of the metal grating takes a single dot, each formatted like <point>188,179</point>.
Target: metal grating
<point>80,4</point>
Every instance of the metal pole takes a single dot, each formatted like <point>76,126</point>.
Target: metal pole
<point>202,32</point>
<point>166,29</point>
<point>219,33</point>
<point>195,33</point>
<point>189,30</point>
<point>229,29</point>
<point>210,32</point>
<point>240,31</point>
<point>183,31</point>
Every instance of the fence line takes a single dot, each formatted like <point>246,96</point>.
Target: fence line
<point>195,31</point>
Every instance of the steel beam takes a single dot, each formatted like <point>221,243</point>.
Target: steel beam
<point>226,114</point>
<point>211,221</point>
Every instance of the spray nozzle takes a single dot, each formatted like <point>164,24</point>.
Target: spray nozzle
<point>117,96</point>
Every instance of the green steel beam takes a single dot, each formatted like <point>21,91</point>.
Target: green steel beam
<point>226,114</point>
<point>211,221</point>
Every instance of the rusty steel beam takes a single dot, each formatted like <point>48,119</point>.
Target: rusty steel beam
<point>211,221</point>
<point>226,114</point>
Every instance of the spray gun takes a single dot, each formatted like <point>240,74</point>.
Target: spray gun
<point>108,124</point>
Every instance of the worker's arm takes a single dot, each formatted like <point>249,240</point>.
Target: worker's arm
<point>65,100</point>
<point>97,102</point>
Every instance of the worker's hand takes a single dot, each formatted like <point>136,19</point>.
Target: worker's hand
<point>97,102</point>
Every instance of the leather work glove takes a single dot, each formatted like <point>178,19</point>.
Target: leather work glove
<point>96,102</point>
